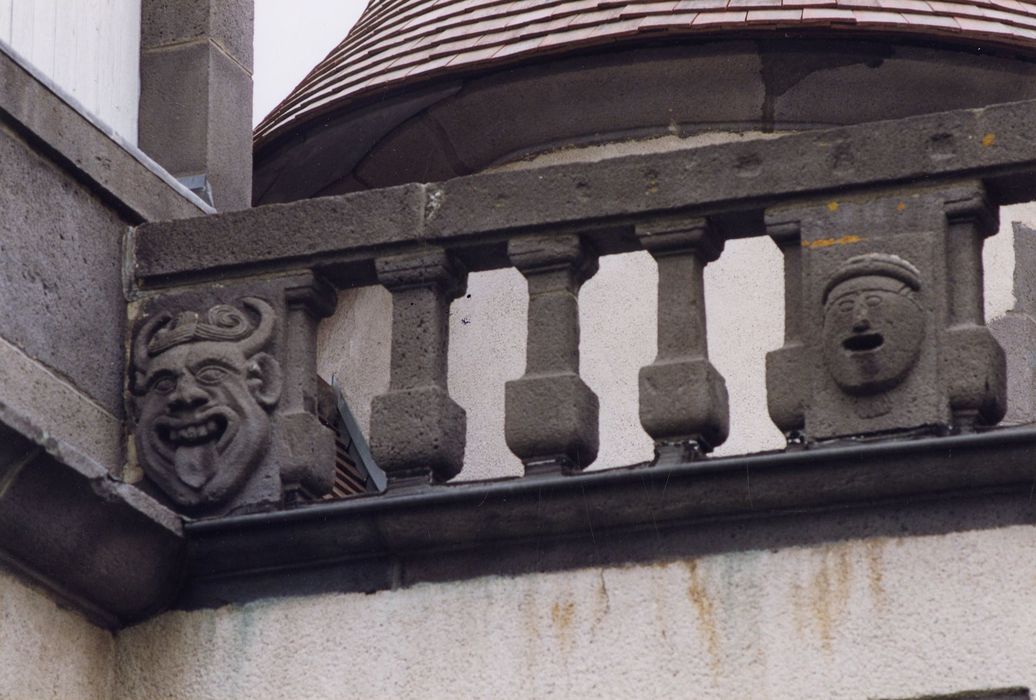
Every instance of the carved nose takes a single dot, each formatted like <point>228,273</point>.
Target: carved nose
<point>187,396</point>
<point>861,322</point>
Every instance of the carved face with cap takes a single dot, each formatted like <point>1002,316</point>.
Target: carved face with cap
<point>204,391</point>
<point>873,323</point>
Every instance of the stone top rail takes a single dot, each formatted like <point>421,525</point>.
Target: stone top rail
<point>732,183</point>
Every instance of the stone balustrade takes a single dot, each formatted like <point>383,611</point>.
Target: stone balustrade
<point>884,328</point>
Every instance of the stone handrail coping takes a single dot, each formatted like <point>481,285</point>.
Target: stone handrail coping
<point>473,215</point>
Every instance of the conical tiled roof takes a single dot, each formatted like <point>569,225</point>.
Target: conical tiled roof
<point>398,42</point>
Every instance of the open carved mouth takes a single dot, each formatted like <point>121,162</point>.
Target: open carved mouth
<point>863,342</point>
<point>209,429</point>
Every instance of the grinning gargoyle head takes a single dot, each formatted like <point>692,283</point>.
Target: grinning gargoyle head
<point>203,391</point>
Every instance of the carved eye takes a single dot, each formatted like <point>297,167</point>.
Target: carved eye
<point>846,306</point>
<point>873,300</point>
<point>211,375</point>
<point>164,384</point>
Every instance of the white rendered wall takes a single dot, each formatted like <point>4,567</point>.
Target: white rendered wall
<point>90,48</point>
<point>49,653</point>
<point>873,618</point>
<point>745,308</point>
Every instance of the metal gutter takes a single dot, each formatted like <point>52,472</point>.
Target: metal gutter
<point>457,531</point>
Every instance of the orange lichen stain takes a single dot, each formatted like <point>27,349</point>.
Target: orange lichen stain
<point>699,597</point>
<point>848,239</point>
<point>901,206</point>
<point>651,182</point>
<point>832,206</point>
<point>989,139</point>
<point>830,596</point>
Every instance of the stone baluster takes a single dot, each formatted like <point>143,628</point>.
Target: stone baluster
<point>417,430</point>
<point>974,364</point>
<point>550,412</point>
<point>683,399</point>
<point>786,380</point>
<point>305,462</point>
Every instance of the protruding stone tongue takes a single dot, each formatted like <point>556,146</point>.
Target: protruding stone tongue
<point>196,464</point>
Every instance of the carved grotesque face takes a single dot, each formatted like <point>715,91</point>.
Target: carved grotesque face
<point>203,423</point>
<point>873,328</point>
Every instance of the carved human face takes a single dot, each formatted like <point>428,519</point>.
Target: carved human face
<point>873,328</point>
<point>203,423</point>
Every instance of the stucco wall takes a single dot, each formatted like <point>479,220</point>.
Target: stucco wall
<point>872,618</point>
<point>47,652</point>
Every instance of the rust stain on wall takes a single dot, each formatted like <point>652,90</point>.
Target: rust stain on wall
<point>703,604</point>
<point>831,585</point>
<point>562,614</point>
<point>875,551</point>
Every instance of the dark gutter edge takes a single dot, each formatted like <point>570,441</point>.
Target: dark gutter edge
<point>454,494</point>
<point>618,517</point>
<point>105,156</point>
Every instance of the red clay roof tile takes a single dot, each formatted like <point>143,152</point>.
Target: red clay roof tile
<point>399,42</point>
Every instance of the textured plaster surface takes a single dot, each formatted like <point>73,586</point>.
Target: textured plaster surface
<point>881,617</point>
<point>47,652</point>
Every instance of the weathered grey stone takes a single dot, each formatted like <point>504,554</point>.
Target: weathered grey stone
<point>228,23</point>
<point>195,118</point>
<point>93,542</point>
<point>59,408</point>
<point>87,150</point>
<point>417,430</point>
<point>61,278</point>
<point>224,394</point>
<point>477,211</point>
<point>975,373</point>
<point>787,378</point>
<point>418,435</point>
<point>356,223</point>
<point>551,422</point>
<point>683,399</point>
<point>683,403</point>
<point>893,331</point>
<point>550,414</point>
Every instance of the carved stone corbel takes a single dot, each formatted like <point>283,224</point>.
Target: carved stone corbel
<point>223,394</point>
